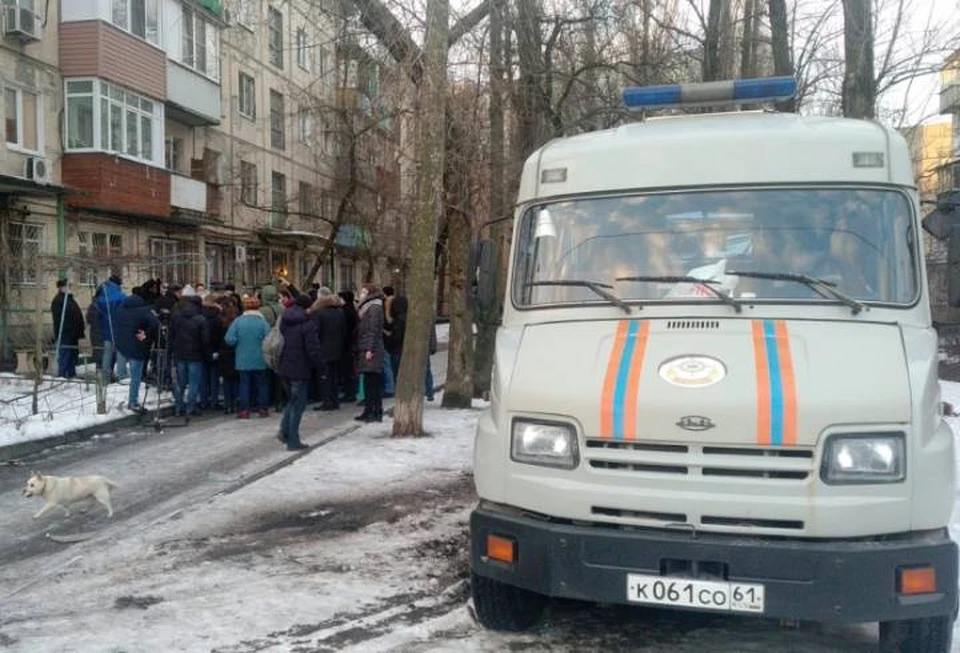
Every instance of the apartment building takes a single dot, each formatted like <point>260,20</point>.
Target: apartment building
<point>193,140</point>
<point>31,190</point>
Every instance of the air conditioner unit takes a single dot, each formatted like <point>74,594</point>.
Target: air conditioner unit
<point>240,254</point>
<point>37,169</point>
<point>21,22</point>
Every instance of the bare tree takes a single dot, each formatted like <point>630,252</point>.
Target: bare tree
<point>858,91</point>
<point>431,130</point>
<point>489,316</point>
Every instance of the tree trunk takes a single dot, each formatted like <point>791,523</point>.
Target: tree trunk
<point>859,90</point>
<point>711,42</point>
<point>430,152</point>
<point>458,392</point>
<point>780,39</point>
<point>489,317</point>
<point>748,63</point>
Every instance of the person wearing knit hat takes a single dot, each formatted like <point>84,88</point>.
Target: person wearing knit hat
<point>188,291</point>
<point>246,335</point>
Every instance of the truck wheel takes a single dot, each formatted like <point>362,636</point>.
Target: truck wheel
<point>504,607</point>
<point>928,635</point>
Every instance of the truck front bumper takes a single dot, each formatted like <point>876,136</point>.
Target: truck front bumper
<point>818,580</point>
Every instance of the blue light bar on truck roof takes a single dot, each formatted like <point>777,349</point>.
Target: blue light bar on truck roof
<point>736,91</point>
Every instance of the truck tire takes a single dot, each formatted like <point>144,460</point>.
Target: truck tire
<point>928,635</point>
<point>504,607</point>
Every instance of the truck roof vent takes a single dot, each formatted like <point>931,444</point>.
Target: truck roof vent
<point>693,325</point>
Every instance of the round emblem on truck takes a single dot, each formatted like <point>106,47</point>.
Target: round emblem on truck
<point>692,371</point>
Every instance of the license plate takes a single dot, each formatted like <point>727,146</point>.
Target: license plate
<point>700,594</point>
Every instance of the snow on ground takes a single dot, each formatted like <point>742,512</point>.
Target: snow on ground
<point>63,406</point>
<point>365,532</point>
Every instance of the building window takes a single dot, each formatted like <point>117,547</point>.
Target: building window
<point>174,154</point>
<point>139,17</point>
<point>275,29</point>
<point>326,62</point>
<point>248,96</point>
<point>278,200</point>
<point>106,117</point>
<point>248,183</point>
<point>200,44</point>
<point>277,136</point>
<point>168,261</point>
<point>305,125</point>
<point>22,119</point>
<point>307,199</point>
<point>303,50</point>
<point>347,274</point>
<point>26,245</point>
<point>328,208</point>
<point>245,12</point>
<point>100,246</point>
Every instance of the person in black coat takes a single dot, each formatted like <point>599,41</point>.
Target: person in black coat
<point>136,329</point>
<point>301,352</point>
<point>68,328</point>
<point>331,326</point>
<point>189,344</point>
<point>210,382</point>
<point>348,374</point>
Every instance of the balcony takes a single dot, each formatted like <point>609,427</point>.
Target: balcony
<point>192,98</point>
<point>950,97</point>
<point>188,194</point>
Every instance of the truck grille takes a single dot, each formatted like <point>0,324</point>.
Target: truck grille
<point>702,460</point>
<point>658,459</point>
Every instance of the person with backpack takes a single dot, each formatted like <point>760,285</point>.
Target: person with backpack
<point>107,305</point>
<point>246,335</point>
<point>189,343</point>
<point>301,352</point>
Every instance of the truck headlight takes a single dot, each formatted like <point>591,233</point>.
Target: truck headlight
<point>550,444</point>
<point>864,458</point>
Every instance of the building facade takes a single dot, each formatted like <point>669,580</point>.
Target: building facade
<point>192,141</point>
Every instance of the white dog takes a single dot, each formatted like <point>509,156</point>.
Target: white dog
<point>58,492</point>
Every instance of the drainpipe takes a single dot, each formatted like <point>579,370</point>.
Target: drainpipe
<point>61,233</point>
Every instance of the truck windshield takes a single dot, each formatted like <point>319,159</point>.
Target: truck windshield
<point>861,241</point>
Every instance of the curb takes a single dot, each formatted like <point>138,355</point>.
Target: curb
<point>14,451</point>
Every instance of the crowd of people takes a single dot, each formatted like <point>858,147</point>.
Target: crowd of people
<point>277,348</point>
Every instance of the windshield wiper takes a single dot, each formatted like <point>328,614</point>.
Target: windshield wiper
<point>822,287</point>
<point>706,283</point>
<point>595,286</point>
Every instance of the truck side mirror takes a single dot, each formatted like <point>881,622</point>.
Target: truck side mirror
<point>485,275</point>
<point>953,269</point>
<point>939,223</point>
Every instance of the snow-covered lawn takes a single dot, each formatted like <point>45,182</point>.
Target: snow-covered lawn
<point>63,406</point>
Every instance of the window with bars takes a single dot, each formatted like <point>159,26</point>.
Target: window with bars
<point>168,260</point>
<point>25,240</point>
<point>277,129</point>
<point>275,41</point>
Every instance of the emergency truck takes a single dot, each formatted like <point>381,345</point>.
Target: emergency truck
<point>715,382</point>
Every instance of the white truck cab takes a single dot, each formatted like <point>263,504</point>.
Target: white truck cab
<point>715,383</point>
